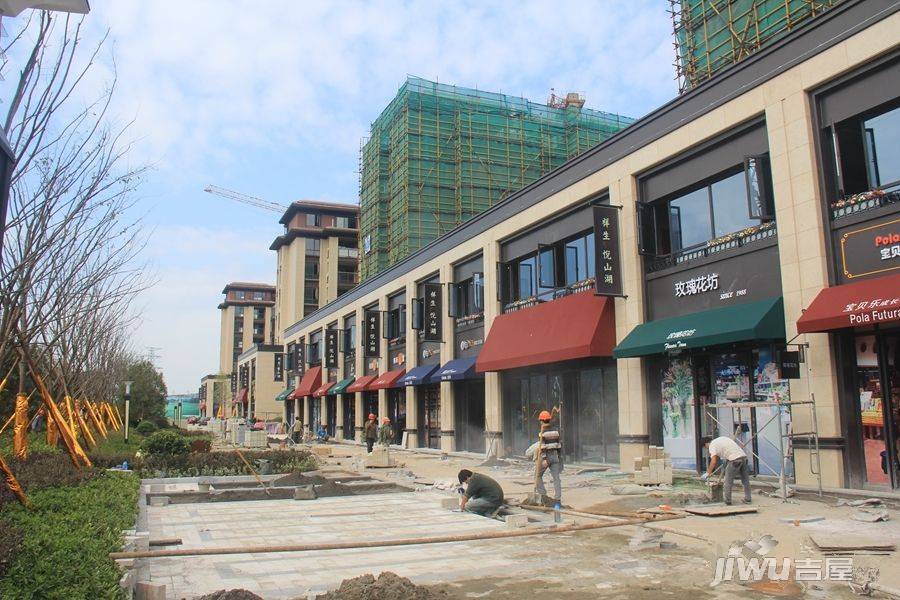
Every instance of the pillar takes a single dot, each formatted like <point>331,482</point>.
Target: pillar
<point>359,418</point>
<point>412,361</point>
<point>448,402</point>
<point>802,251</point>
<point>493,395</point>
<point>634,437</point>
<point>384,364</point>
<point>323,410</point>
<point>307,414</point>
<point>338,400</point>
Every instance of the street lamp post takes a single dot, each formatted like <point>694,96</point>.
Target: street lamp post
<point>127,407</point>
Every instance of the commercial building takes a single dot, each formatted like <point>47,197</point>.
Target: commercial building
<point>318,258</point>
<point>757,236</point>
<point>260,380</point>
<point>246,319</point>
<point>440,154</point>
<point>215,393</point>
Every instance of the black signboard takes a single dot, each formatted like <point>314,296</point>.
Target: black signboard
<point>299,359</point>
<point>606,248</point>
<point>331,348</point>
<point>245,376</point>
<point>371,333</point>
<point>868,249</point>
<point>433,312</point>
<point>788,364</point>
<point>279,366</point>
<point>233,383</point>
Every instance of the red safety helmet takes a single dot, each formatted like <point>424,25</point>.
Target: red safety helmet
<point>544,416</point>
<point>371,416</point>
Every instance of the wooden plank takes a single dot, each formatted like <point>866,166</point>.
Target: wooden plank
<point>720,510</point>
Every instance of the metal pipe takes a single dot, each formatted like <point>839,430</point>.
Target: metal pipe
<point>485,535</point>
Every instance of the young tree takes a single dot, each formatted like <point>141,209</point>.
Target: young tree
<point>148,392</point>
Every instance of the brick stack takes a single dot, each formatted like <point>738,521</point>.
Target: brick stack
<point>654,468</point>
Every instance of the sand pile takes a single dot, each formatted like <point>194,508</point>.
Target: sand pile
<point>388,586</point>
<point>236,594</point>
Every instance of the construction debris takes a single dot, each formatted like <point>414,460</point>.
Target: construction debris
<point>388,586</point>
<point>654,468</point>
<point>645,539</point>
<point>841,544</point>
<point>858,503</point>
<point>237,594</point>
<point>870,516</point>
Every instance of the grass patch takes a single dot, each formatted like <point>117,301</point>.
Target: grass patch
<point>64,539</point>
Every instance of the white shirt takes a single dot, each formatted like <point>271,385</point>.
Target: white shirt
<point>726,449</point>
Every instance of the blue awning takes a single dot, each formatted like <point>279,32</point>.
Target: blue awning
<point>418,376</point>
<point>457,370</point>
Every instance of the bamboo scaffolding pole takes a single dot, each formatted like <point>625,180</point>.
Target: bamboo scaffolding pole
<point>443,539</point>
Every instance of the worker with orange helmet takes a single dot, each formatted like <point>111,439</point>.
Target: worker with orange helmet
<point>551,457</point>
<point>370,432</point>
<point>386,433</point>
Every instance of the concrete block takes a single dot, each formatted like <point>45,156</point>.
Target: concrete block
<point>450,503</point>
<point>203,486</point>
<point>638,463</point>
<point>159,500</point>
<point>516,521</point>
<point>322,450</point>
<point>305,492</point>
<point>144,590</point>
<point>380,457</point>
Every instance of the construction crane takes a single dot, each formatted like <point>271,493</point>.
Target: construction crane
<point>245,199</point>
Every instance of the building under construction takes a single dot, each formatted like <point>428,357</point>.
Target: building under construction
<point>713,34</point>
<point>440,154</point>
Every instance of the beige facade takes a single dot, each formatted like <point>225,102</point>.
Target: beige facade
<point>264,383</point>
<point>317,258</point>
<point>246,319</point>
<point>214,391</point>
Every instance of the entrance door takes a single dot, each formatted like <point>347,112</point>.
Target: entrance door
<point>349,401</point>
<point>370,405</point>
<point>397,412</point>
<point>331,403</point>
<point>429,426</point>
<point>315,413</point>
<point>878,382</point>
<point>597,415</point>
<point>469,412</point>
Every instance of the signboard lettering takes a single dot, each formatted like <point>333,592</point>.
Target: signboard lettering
<point>433,312</point>
<point>370,331</point>
<point>331,348</point>
<point>788,364</point>
<point>696,285</point>
<point>872,250</point>
<point>608,262</point>
<point>299,358</point>
<point>279,366</point>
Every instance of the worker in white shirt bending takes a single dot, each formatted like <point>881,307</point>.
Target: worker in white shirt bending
<point>726,449</point>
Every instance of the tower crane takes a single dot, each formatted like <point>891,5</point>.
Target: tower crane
<point>245,198</point>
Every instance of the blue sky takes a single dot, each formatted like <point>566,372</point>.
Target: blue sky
<point>273,98</point>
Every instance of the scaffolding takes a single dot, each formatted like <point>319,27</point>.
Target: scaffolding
<point>439,154</point>
<point>713,34</point>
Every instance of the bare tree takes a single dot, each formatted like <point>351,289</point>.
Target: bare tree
<point>71,268</point>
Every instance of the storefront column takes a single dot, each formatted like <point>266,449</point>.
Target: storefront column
<point>448,413</point>
<point>384,364</point>
<point>412,361</point>
<point>339,403</point>
<point>634,437</point>
<point>493,395</point>
<point>802,240</point>
<point>307,414</point>
<point>323,412</point>
<point>358,416</point>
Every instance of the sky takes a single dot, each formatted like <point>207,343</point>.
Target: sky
<point>273,99</point>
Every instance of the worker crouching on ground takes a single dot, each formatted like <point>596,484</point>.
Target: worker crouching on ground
<point>322,434</point>
<point>725,448</point>
<point>551,457</point>
<point>483,495</point>
<point>370,432</point>
<point>386,434</point>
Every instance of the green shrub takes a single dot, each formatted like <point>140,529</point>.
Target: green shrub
<point>45,469</point>
<point>146,427</point>
<point>203,464</point>
<point>66,537</point>
<point>165,443</point>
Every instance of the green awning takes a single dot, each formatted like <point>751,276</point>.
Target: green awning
<point>341,386</point>
<point>762,320</point>
<point>283,395</point>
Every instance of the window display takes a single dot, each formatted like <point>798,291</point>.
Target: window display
<point>678,413</point>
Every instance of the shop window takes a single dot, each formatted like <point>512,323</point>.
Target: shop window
<point>579,259</point>
<point>467,297</point>
<point>678,413</point>
<point>866,151</point>
<point>395,323</point>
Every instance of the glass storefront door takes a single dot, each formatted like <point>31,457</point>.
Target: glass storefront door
<point>678,408</point>
<point>331,403</point>
<point>315,413</point>
<point>878,383</point>
<point>429,414</point>
<point>396,407</point>
<point>469,413</point>
<point>349,401</point>
<point>370,406</point>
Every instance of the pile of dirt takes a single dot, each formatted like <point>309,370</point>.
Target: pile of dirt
<point>236,594</point>
<point>297,478</point>
<point>388,586</point>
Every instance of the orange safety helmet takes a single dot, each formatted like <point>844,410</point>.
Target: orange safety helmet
<point>371,416</point>
<point>386,420</point>
<point>544,416</point>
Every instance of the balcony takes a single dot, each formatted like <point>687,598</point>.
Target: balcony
<point>575,288</point>
<point>864,201</point>
<point>726,242</point>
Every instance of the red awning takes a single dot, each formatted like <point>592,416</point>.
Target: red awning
<point>309,383</point>
<point>241,397</point>
<point>391,379</point>
<point>576,326</point>
<point>323,389</point>
<point>362,384</point>
<point>857,304</point>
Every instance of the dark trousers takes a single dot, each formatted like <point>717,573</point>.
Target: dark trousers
<point>737,468</point>
<point>370,442</point>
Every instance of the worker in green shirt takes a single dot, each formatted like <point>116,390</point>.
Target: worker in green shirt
<point>483,495</point>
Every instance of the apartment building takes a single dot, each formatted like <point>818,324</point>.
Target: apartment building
<point>317,258</point>
<point>757,252</point>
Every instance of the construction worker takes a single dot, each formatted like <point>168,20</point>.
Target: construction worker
<point>297,431</point>
<point>370,432</point>
<point>725,448</point>
<point>551,457</point>
<point>483,495</point>
<point>386,434</point>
